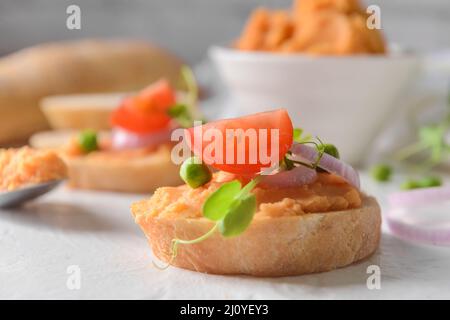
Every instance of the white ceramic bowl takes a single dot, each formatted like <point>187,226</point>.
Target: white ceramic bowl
<point>343,100</point>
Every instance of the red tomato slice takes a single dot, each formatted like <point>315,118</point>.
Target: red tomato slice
<point>157,97</point>
<point>254,147</point>
<point>146,112</point>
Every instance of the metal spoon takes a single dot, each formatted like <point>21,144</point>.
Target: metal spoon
<point>14,198</point>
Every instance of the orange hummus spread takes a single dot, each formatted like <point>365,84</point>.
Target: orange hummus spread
<point>24,166</point>
<point>316,27</point>
<point>106,154</point>
<point>327,193</point>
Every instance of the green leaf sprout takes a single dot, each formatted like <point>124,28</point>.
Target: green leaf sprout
<point>426,182</point>
<point>429,182</point>
<point>187,76</point>
<point>430,150</point>
<point>218,204</point>
<point>300,137</point>
<point>186,113</point>
<point>239,217</point>
<point>321,148</point>
<point>231,207</point>
<point>181,113</point>
<point>331,149</point>
<point>431,143</point>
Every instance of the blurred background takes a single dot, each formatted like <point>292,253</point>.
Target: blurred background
<point>189,27</point>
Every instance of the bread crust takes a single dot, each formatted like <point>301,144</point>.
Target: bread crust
<point>136,172</point>
<point>141,174</point>
<point>80,111</point>
<point>270,247</point>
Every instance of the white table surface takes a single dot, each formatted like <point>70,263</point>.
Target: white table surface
<point>96,232</point>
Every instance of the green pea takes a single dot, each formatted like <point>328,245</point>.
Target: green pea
<point>331,149</point>
<point>381,172</point>
<point>194,172</point>
<point>429,182</point>
<point>88,141</point>
<point>410,184</point>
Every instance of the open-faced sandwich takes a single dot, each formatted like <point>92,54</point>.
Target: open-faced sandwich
<point>135,156</point>
<point>260,199</point>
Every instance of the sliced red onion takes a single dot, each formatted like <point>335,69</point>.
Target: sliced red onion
<point>416,225</point>
<point>124,139</point>
<point>305,153</point>
<point>418,215</point>
<point>298,176</point>
<point>419,197</point>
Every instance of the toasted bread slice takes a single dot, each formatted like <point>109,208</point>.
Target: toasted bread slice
<point>80,111</point>
<point>271,246</point>
<point>134,171</point>
<point>57,139</point>
<point>88,111</point>
<point>142,172</point>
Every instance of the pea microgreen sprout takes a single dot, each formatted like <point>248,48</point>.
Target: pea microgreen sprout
<point>321,148</point>
<point>431,139</point>
<point>430,150</point>
<point>186,113</point>
<point>381,172</point>
<point>409,184</point>
<point>428,182</point>
<point>231,208</point>
<point>194,172</point>
<point>286,163</point>
<point>180,112</point>
<point>300,137</point>
<point>331,149</point>
<point>88,141</point>
<point>191,84</point>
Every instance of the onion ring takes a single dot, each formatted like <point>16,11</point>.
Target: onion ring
<point>302,152</point>
<point>298,176</point>
<point>419,197</point>
<point>411,224</point>
<point>124,139</point>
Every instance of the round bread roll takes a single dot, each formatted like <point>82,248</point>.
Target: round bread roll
<point>85,66</point>
<point>271,246</point>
